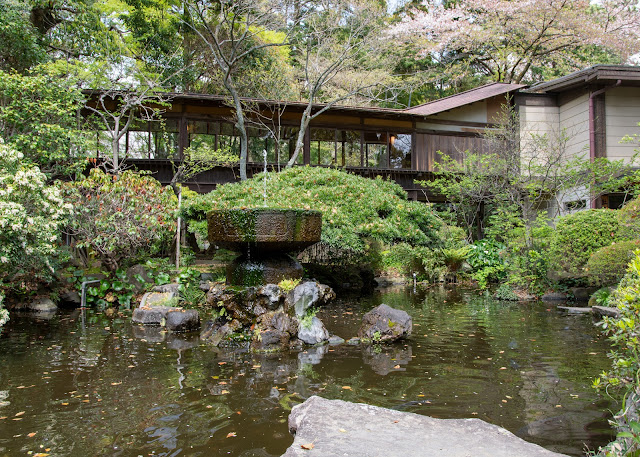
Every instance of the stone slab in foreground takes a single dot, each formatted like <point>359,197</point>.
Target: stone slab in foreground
<point>339,428</point>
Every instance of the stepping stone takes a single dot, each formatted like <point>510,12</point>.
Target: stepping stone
<point>336,428</point>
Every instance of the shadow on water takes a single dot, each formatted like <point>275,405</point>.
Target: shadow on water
<point>111,388</point>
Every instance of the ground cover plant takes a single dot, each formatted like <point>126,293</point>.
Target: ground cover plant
<point>354,209</point>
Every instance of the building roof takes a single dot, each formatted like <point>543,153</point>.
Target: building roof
<point>463,98</point>
<point>598,74</point>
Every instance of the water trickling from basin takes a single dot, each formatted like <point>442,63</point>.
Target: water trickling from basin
<point>264,181</point>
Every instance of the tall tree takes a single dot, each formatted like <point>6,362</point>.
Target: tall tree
<point>338,47</point>
<point>515,41</point>
<point>237,33</point>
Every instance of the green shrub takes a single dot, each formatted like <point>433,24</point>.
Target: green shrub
<point>578,236</point>
<point>485,257</point>
<point>354,209</point>
<point>629,220</point>
<point>417,262</point>
<point>623,377</point>
<point>122,217</point>
<point>623,332</point>
<point>608,264</point>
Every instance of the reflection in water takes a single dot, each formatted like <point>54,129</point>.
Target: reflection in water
<point>117,389</point>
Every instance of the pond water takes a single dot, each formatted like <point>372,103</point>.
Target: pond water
<point>74,386</point>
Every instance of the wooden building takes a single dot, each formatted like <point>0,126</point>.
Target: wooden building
<point>595,107</point>
<point>400,144</point>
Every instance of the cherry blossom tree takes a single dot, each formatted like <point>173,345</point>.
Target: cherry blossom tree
<point>516,41</point>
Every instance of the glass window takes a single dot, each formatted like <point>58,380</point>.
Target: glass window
<point>164,139</point>
<point>323,146</point>
<point>349,148</point>
<point>228,138</point>
<point>287,145</point>
<point>139,144</point>
<point>376,149</point>
<point>399,150</point>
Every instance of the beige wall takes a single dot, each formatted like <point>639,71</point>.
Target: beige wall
<point>574,120</point>
<point>476,112</point>
<point>622,105</point>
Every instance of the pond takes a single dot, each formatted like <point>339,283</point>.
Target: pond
<point>96,385</point>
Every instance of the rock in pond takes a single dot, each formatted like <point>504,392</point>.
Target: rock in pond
<point>217,331</point>
<point>601,311</point>
<point>385,324</point>
<point>174,318</point>
<point>37,305</point>
<point>273,331</point>
<point>182,320</point>
<point>554,296</point>
<point>310,294</point>
<point>315,333</point>
<point>339,428</point>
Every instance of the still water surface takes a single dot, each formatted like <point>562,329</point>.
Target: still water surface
<point>99,386</point>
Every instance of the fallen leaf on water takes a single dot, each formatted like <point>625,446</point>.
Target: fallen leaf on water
<point>19,414</point>
<point>3,417</point>
<point>395,422</point>
<point>209,406</point>
<point>503,368</point>
<point>222,363</point>
<point>396,367</point>
<point>32,434</point>
<point>307,446</point>
<point>40,454</point>
<point>224,392</point>
<point>231,434</point>
<point>65,404</point>
<point>346,388</point>
<point>116,383</point>
<point>343,430</point>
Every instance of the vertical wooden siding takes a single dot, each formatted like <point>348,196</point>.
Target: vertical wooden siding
<point>428,145</point>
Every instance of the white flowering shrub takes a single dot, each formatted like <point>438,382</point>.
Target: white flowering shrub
<point>31,216</point>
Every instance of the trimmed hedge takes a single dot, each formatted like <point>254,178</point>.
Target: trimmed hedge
<point>608,265</point>
<point>354,209</point>
<point>579,235</point>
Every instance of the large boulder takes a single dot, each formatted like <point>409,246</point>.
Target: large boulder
<point>385,324</point>
<point>336,428</point>
<point>313,333</point>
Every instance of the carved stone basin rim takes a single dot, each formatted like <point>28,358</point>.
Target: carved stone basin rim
<point>264,230</point>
